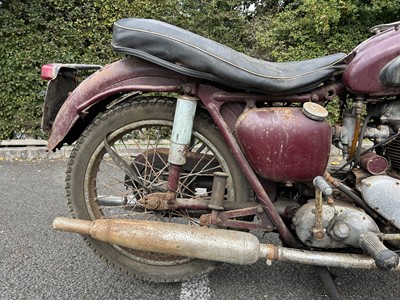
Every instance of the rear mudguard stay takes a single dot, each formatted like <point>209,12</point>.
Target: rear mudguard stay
<point>123,76</point>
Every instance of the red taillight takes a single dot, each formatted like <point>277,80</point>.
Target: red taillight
<point>47,72</point>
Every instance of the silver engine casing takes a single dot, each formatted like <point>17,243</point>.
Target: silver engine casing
<point>343,224</point>
<point>382,194</point>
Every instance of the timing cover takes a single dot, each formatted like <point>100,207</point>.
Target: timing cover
<point>343,224</point>
<point>382,194</point>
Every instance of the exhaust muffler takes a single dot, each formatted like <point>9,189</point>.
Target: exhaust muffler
<point>170,238</point>
<point>222,245</point>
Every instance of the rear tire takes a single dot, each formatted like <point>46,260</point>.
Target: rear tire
<point>92,176</point>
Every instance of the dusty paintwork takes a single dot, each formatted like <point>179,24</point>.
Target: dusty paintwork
<point>362,74</point>
<point>374,163</point>
<point>123,76</point>
<point>205,95</point>
<point>281,142</point>
<point>284,145</point>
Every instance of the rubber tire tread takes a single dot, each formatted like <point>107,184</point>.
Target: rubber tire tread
<point>75,177</point>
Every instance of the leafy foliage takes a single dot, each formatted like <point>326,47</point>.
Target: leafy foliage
<point>310,28</point>
<point>37,32</point>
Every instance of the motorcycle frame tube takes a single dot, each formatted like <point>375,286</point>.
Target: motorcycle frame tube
<point>134,75</point>
<point>269,208</point>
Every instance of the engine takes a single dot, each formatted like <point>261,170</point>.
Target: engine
<point>342,224</point>
<point>393,154</point>
<point>378,182</point>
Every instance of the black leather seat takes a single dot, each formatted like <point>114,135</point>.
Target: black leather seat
<point>193,55</point>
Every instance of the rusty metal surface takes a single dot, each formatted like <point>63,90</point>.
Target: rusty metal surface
<point>125,75</point>
<point>173,177</point>
<point>57,91</point>
<point>170,238</point>
<point>189,204</point>
<point>159,201</point>
<point>314,111</point>
<point>233,219</point>
<point>204,243</point>
<point>282,144</point>
<point>318,229</point>
<point>318,258</point>
<point>321,94</point>
<point>374,163</point>
<point>218,191</point>
<point>273,215</point>
<point>194,163</point>
<point>350,193</point>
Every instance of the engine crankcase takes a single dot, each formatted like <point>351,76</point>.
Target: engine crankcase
<point>382,194</point>
<point>343,224</point>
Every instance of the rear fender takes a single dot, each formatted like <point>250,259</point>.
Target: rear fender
<point>62,81</point>
<point>128,75</point>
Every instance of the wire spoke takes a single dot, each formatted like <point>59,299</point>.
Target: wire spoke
<point>145,148</point>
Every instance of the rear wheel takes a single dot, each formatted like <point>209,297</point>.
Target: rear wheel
<point>139,132</point>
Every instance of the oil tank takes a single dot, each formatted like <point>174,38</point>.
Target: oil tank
<point>282,144</point>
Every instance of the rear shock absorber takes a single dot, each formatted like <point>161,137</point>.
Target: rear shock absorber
<point>180,139</point>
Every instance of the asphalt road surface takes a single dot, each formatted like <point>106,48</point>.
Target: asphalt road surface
<point>39,263</point>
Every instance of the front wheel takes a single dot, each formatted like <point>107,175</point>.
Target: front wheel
<point>139,132</point>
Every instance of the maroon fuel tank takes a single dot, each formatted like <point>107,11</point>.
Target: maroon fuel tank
<point>363,75</point>
<point>282,144</point>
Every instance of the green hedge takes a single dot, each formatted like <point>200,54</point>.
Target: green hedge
<point>36,32</point>
<point>42,31</point>
<point>310,28</point>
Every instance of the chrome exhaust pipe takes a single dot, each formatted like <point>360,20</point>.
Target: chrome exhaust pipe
<point>222,245</point>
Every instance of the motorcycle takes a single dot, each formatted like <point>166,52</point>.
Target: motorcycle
<point>185,150</point>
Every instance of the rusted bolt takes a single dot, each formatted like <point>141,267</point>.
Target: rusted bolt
<point>314,98</point>
<point>205,220</point>
<point>317,233</point>
<point>170,197</point>
<point>152,203</point>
